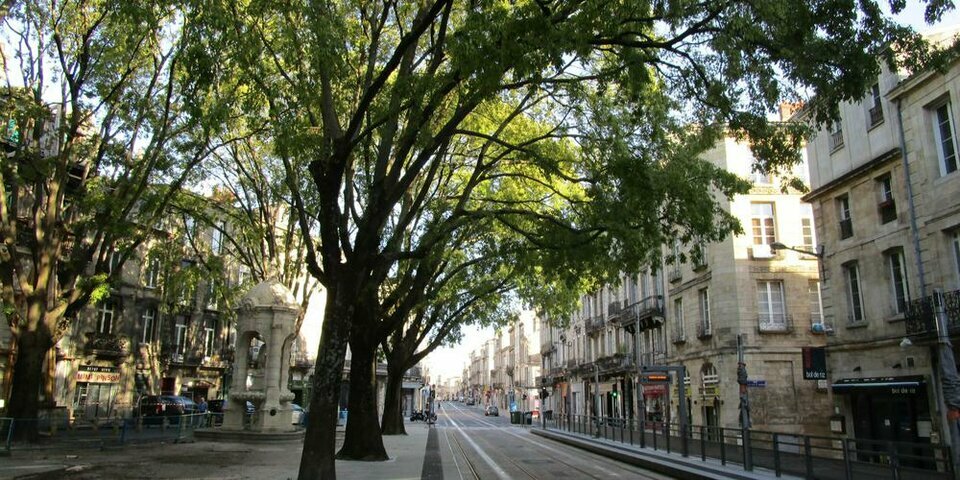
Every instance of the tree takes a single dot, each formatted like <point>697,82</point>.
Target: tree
<point>250,218</point>
<point>371,94</point>
<point>108,116</point>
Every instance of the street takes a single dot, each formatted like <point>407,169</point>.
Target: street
<point>482,447</point>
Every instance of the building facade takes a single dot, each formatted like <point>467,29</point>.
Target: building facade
<point>886,196</point>
<point>692,315</point>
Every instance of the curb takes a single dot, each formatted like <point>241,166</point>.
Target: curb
<point>660,463</point>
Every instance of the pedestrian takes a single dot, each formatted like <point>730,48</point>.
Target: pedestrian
<point>202,408</point>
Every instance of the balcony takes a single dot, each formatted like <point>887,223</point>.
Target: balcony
<point>547,347</point>
<point>920,317</point>
<point>648,312</point>
<point>775,323</point>
<point>106,345</point>
<point>678,337</point>
<point>704,330</point>
<point>653,358</point>
<point>594,324</point>
<point>614,308</point>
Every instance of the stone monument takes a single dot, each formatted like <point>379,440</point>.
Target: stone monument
<point>266,319</point>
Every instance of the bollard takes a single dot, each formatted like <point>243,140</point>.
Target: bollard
<point>643,434</point>
<point>703,444</point>
<point>808,456</point>
<point>747,454</point>
<point>723,446</point>
<point>123,432</point>
<point>894,461</point>
<point>164,424</point>
<point>776,455</point>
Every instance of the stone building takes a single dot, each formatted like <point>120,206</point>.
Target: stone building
<point>692,315</point>
<point>504,371</point>
<point>886,197</point>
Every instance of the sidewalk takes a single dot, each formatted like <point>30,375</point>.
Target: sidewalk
<point>210,460</point>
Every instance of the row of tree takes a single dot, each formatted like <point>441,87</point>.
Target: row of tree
<point>442,161</point>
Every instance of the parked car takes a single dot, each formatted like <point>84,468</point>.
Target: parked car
<point>153,408</point>
<point>296,414</point>
<point>470,402</point>
<point>491,411</point>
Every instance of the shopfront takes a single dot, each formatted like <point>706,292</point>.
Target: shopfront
<point>95,392</point>
<point>887,408</point>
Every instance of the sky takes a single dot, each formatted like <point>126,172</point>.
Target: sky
<point>448,362</point>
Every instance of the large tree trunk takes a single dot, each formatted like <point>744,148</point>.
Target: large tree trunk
<point>28,375</point>
<point>317,461</point>
<point>362,440</point>
<point>392,423</point>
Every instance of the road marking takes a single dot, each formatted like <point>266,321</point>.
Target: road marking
<point>486,458</point>
<point>559,452</point>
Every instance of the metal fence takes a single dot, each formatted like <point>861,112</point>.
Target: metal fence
<point>104,433</point>
<point>828,458</point>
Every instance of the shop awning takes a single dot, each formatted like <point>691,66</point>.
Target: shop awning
<point>906,385</point>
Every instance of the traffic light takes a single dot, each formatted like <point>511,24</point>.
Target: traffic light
<point>615,394</point>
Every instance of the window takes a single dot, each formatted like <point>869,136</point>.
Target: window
<point>113,262</point>
<point>854,297</point>
<point>152,275</point>
<point>189,229</point>
<point>843,212</point>
<point>875,113</point>
<point>762,222</point>
<point>675,268</point>
<point>679,334</point>
<point>761,178</point>
<point>946,142</point>
<point>208,339</point>
<point>243,273</point>
<point>216,239</point>
<point>180,334</point>
<point>816,304</point>
<point>836,135</point>
<point>887,206</point>
<point>704,327</point>
<point>806,227</point>
<point>898,281</point>
<point>770,306</point>
<point>212,296</point>
<point>105,317</point>
<point>149,321</point>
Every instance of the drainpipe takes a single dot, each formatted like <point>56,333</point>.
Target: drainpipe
<point>913,208</point>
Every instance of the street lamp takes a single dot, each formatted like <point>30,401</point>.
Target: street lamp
<point>818,253</point>
<point>779,246</point>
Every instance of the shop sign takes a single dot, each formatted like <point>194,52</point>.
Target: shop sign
<point>654,390</point>
<point>814,363</point>
<point>97,374</point>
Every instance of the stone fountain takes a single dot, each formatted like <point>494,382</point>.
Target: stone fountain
<point>266,319</point>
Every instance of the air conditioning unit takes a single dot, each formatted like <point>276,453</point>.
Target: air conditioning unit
<point>762,251</point>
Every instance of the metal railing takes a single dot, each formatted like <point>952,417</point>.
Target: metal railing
<point>809,456</point>
<point>102,433</point>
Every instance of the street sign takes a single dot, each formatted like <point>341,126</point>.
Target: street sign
<point>814,363</point>
<point>757,383</point>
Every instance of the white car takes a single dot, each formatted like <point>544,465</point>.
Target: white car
<point>296,414</point>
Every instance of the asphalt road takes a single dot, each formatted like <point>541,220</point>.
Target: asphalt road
<point>480,447</point>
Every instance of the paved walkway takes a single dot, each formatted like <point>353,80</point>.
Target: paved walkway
<point>209,460</point>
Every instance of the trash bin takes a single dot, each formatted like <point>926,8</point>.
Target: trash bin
<point>516,417</point>
<point>528,418</point>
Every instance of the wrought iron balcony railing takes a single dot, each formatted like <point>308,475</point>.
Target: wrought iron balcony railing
<point>106,344</point>
<point>920,316</point>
